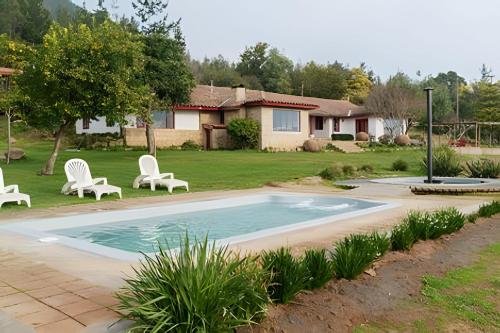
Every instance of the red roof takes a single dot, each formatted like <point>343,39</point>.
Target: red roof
<point>4,71</point>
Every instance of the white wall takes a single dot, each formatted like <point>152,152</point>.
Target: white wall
<point>187,120</point>
<point>326,131</point>
<point>96,127</point>
<point>348,126</point>
<point>375,127</point>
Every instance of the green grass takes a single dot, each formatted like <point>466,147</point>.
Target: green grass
<point>205,170</point>
<point>467,297</point>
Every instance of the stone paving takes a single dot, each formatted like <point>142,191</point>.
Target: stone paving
<point>50,301</point>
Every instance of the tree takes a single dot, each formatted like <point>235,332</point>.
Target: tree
<point>275,72</point>
<point>78,73</point>
<point>324,81</point>
<point>217,71</point>
<point>26,20</point>
<point>488,101</point>
<point>166,71</point>
<point>252,60</point>
<point>394,104</point>
<point>358,85</point>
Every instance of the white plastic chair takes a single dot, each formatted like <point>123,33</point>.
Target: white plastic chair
<point>150,174</point>
<point>80,180</point>
<point>11,193</point>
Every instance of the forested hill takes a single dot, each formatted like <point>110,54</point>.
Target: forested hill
<point>53,6</point>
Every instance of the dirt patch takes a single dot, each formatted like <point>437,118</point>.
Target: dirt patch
<point>341,305</point>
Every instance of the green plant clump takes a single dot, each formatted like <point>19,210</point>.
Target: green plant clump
<point>355,253</point>
<point>202,288</point>
<point>343,137</point>
<point>190,145</point>
<point>244,132</point>
<point>490,209</point>
<point>319,268</point>
<point>445,162</point>
<point>332,172</point>
<point>483,168</point>
<point>366,168</point>
<point>399,165</point>
<point>288,275</point>
<point>348,170</point>
<point>402,238</point>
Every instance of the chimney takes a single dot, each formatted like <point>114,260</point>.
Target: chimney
<point>240,93</point>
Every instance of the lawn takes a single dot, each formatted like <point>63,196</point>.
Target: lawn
<point>205,170</point>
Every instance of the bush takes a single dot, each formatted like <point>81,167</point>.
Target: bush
<point>488,210</point>
<point>419,224</point>
<point>202,288</point>
<point>332,172</point>
<point>445,162</point>
<point>244,133</point>
<point>343,137</point>
<point>483,168</point>
<point>399,165</point>
<point>366,168</point>
<point>190,145</point>
<point>384,139</point>
<point>472,218</point>
<point>355,253</point>
<point>288,275</point>
<point>319,268</point>
<point>402,237</point>
<point>348,170</point>
<point>445,221</point>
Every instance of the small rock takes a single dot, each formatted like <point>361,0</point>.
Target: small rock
<point>15,154</point>
<point>330,326</point>
<point>12,141</point>
<point>320,317</point>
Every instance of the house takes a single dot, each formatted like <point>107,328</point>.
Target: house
<point>286,121</point>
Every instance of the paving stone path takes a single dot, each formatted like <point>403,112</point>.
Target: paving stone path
<point>37,296</point>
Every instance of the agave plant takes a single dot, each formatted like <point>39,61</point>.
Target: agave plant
<point>200,288</point>
<point>445,162</point>
<point>483,168</point>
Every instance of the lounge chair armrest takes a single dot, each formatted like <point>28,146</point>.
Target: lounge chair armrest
<point>167,175</point>
<point>102,180</point>
<point>12,189</point>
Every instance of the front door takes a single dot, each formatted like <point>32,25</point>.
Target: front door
<point>362,125</point>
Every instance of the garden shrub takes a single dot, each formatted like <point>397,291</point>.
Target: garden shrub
<point>483,168</point>
<point>381,242</point>
<point>445,162</point>
<point>244,132</point>
<point>202,288</point>
<point>355,253</point>
<point>399,165</point>
<point>402,238</point>
<point>319,268</point>
<point>366,168</point>
<point>332,172</point>
<point>472,218</point>
<point>348,170</point>
<point>190,145</point>
<point>444,221</point>
<point>419,224</point>
<point>288,275</point>
<point>490,209</point>
<point>343,137</point>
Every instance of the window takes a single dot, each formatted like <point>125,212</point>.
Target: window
<point>286,121</point>
<point>319,123</point>
<point>86,123</point>
<point>221,117</point>
<point>336,124</point>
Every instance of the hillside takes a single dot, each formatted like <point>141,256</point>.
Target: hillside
<point>55,5</point>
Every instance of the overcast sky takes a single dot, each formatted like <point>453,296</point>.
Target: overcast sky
<point>388,35</point>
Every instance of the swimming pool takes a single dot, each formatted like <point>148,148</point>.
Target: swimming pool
<point>124,234</point>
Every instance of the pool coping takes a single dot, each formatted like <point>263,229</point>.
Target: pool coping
<point>43,233</point>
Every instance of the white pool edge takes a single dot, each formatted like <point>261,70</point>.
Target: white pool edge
<point>41,229</point>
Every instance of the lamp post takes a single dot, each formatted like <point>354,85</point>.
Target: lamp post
<point>429,134</point>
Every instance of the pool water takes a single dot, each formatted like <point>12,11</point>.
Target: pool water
<point>216,221</point>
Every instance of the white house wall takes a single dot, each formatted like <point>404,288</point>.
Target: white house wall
<point>375,127</point>
<point>347,126</point>
<point>97,126</point>
<point>187,120</point>
<point>326,132</point>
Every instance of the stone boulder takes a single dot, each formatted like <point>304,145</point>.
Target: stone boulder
<point>312,146</point>
<point>15,154</point>
<point>362,136</point>
<point>12,141</point>
<point>402,140</point>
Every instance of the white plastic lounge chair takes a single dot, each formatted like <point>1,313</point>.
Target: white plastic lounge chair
<point>150,174</point>
<point>11,193</point>
<point>80,180</point>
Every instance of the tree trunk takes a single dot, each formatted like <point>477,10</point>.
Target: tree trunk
<point>150,136</point>
<point>48,169</point>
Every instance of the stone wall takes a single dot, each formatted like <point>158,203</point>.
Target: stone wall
<point>165,137</point>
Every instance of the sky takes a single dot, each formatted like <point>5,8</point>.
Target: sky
<point>429,36</point>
